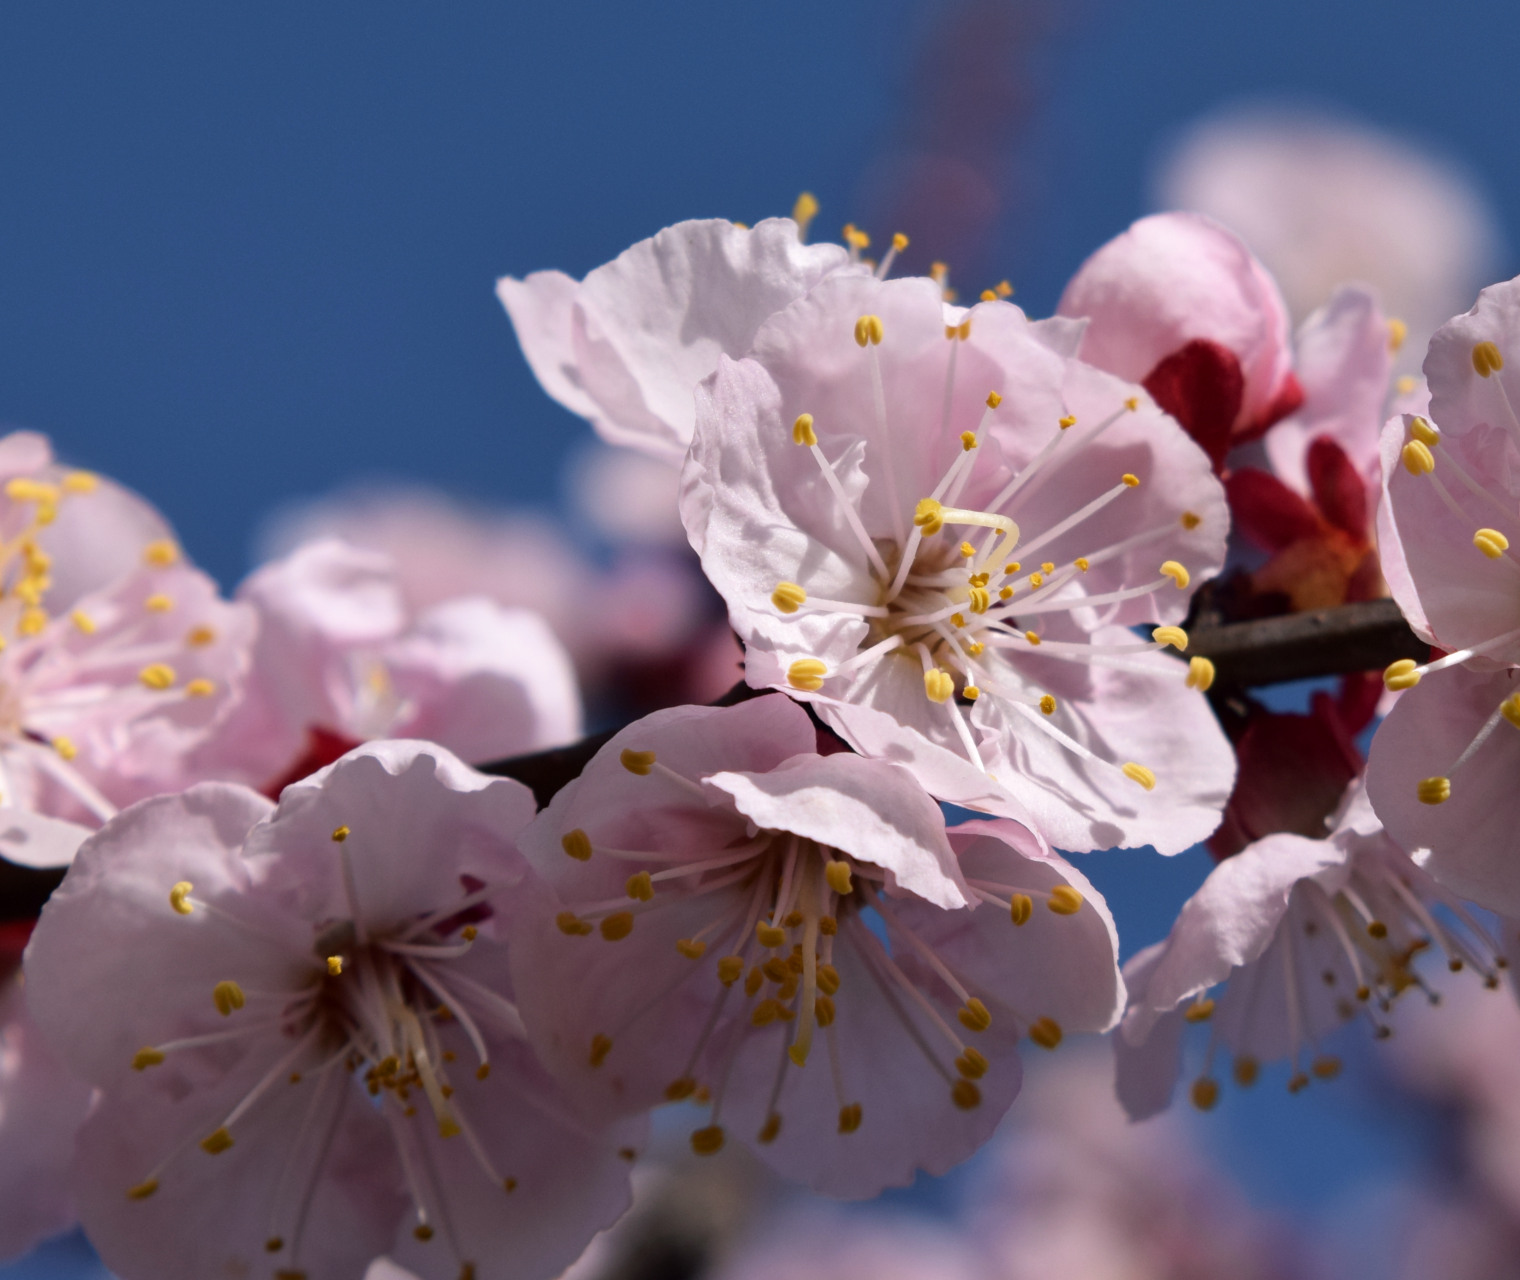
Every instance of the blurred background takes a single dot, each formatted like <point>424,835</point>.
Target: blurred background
<point>247,258</point>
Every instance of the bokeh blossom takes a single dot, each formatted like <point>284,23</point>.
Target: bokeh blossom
<point>794,941</point>
<point>300,1023</point>
<point>937,527</point>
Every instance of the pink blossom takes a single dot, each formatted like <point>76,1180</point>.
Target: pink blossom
<point>811,1244</point>
<point>40,1107</point>
<point>625,347</point>
<point>117,659</point>
<point>338,655</point>
<point>1323,200</point>
<point>830,484</point>
<point>1284,943</point>
<point>710,936</point>
<point>272,1002</point>
<point>1181,305</point>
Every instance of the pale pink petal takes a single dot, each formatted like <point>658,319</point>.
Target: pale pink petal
<point>541,307</point>
<point>1460,397</point>
<point>32,840</point>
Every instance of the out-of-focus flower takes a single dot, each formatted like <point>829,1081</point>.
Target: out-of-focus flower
<point>41,1105</point>
<point>1303,936</point>
<point>300,1022</point>
<point>625,347</point>
<point>1075,1190</point>
<point>627,497</point>
<point>712,935</point>
<point>1179,304</point>
<point>811,1244</point>
<point>937,526</point>
<point>644,632</point>
<point>1324,200</point>
<point>338,661</point>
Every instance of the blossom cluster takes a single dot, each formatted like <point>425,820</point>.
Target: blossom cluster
<point>316,989</point>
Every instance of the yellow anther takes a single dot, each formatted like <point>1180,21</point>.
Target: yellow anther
<point>33,620</point>
<point>802,431</point>
<point>1326,1067</point>
<point>967,550</point>
<point>640,887</point>
<point>200,637</point>
<point>200,687</point>
<point>753,981</point>
<point>228,997</point>
<point>963,330</point>
<point>708,1141</point>
<point>179,897</point>
<point>601,1046</point>
<point>80,482</point>
<point>1179,575</point>
<point>1199,1010</point>
<point>83,621</point>
<point>929,516</point>
<point>828,979</point>
<point>971,693</point>
<point>146,1057</point>
<point>957,619</point>
<point>1005,593</point>
<point>1190,520</point>
<point>1036,580</point>
<point>577,844</point>
<point>938,684</point>
<point>1491,543</point>
<point>160,554</point>
<point>1433,790</point>
<point>157,675</point>
<point>1067,422</point>
<point>639,762</point>
<point>1003,289</point>
<point>849,1118</point>
<point>158,603</point>
<point>973,1015</point>
<point>788,597</point>
<point>988,295</point>
<point>1403,674</point>
<point>1132,404</point>
<point>1418,459</point>
<point>729,970</point>
<point>1174,636</point>
<point>65,747</point>
<point>1048,704</point>
<point>1200,674</point>
<point>1139,773</point>
<point>838,876</point>
<point>680,1090</point>
<point>1397,332</point>
<point>1048,567</point>
<point>571,925</point>
<point>855,237</point>
<point>968,441</point>
<point>975,648</point>
<point>340,834</point>
<point>213,1144</point>
<point>691,948</point>
<point>617,926</point>
<point>1510,709</point>
<point>274,1244</point>
<point>1426,434</point>
<point>963,1093</point>
<point>1205,1093</point>
<point>823,1011</point>
<point>1486,359</point>
<point>1020,908</point>
<point>1377,929</point>
<point>142,1190</point>
<point>770,1128</point>
<point>979,579</point>
<point>804,211</point>
<point>768,935</point>
<point>807,674</point>
<point>1245,1072</point>
<point>979,600</point>
<point>1045,1032</point>
<point>1064,900</point>
<point>22,489</point>
<point>1130,479</point>
<point>422,1232</point>
<point>868,331</point>
<point>767,1012</point>
<point>971,1064</point>
<point>469,933</point>
<point>334,966</point>
<point>899,242</point>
